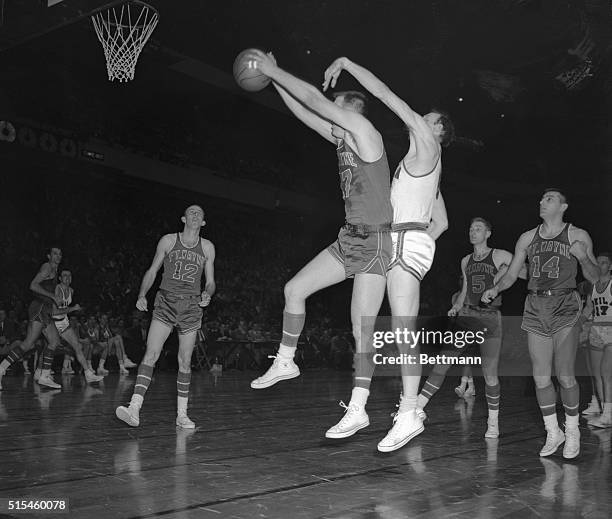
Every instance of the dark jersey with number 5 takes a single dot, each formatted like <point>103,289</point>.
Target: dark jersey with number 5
<point>366,187</point>
<point>183,267</point>
<point>551,265</point>
<point>480,276</point>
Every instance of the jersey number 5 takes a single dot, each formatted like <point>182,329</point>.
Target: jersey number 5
<point>551,267</point>
<point>478,284</point>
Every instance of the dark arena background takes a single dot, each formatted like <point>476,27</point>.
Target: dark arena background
<point>103,169</point>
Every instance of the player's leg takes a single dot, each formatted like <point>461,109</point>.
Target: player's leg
<point>403,293</point>
<point>489,351</point>
<point>321,272</point>
<point>183,379</point>
<point>565,344</point>
<point>117,341</point>
<point>368,294</point>
<point>19,350</point>
<point>105,350</point>
<point>70,337</point>
<point>541,354</point>
<point>603,336</point>
<point>466,377</point>
<point>596,392</point>
<point>158,333</point>
<point>53,341</point>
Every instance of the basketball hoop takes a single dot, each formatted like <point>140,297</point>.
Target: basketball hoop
<point>123,31</point>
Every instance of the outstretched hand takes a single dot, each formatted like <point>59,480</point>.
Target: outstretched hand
<point>262,61</point>
<point>333,71</point>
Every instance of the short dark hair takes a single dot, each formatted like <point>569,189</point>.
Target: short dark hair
<point>356,98</point>
<point>448,134</point>
<point>486,223</point>
<point>564,198</point>
<point>605,255</point>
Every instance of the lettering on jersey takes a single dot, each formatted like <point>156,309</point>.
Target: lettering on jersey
<point>601,307</point>
<point>346,158</point>
<point>477,267</point>
<point>187,255</point>
<point>553,246</point>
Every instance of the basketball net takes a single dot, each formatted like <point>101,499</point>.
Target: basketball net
<point>123,32</point>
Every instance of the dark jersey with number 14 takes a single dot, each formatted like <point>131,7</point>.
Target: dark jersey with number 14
<point>183,267</point>
<point>551,266</point>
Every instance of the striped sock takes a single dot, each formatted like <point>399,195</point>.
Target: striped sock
<point>182,391</point>
<point>48,355</point>
<point>14,355</point>
<point>492,394</point>
<point>432,385</point>
<point>570,397</point>
<point>363,370</point>
<point>293,324</point>
<point>143,379</point>
<point>547,399</point>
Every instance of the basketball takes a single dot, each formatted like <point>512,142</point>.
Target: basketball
<point>246,75</point>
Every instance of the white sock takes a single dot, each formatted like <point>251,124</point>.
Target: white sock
<point>571,421</point>
<point>136,401</point>
<point>181,405</point>
<point>359,396</point>
<point>407,403</point>
<point>493,415</point>
<point>551,423</point>
<point>594,400</point>
<point>286,352</point>
<point>422,401</point>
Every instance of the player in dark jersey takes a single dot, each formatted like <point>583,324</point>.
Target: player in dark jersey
<point>40,321</point>
<point>362,250</point>
<point>480,270</point>
<point>552,308</point>
<point>178,304</point>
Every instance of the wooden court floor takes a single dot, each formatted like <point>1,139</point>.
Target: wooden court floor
<point>262,454</point>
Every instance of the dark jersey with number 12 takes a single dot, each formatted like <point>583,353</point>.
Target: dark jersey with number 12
<point>183,267</point>
<point>551,266</point>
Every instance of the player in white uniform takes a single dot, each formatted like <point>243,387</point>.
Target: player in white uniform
<point>63,298</point>
<point>419,218</point>
<point>599,309</point>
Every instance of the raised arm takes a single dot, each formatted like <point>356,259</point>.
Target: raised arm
<point>377,88</point>
<point>163,246</point>
<point>439,218</point>
<point>209,271</point>
<point>357,125</point>
<point>308,117</point>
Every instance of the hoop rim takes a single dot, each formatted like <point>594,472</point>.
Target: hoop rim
<point>118,3</point>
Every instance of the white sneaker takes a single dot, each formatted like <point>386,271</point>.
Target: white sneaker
<point>182,420</point>
<point>128,363</point>
<point>281,369</point>
<point>129,415</point>
<point>46,380</point>
<point>492,429</point>
<point>571,449</point>
<point>354,418</point>
<point>405,427</point>
<point>460,391</point>
<point>102,372</point>
<point>469,392</point>
<point>553,440</point>
<point>90,377</point>
<point>592,408</point>
<point>600,421</point>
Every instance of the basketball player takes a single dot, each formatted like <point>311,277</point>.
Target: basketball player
<point>552,308</point>
<point>363,247</point>
<point>599,307</point>
<point>480,270</point>
<point>39,313</point>
<point>178,304</point>
<point>63,298</point>
<point>419,218</point>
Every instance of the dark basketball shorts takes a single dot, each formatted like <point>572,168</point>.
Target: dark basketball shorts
<point>182,312</point>
<point>362,253</point>
<point>40,311</point>
<point>486,320</point>
<point>546,315</point>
